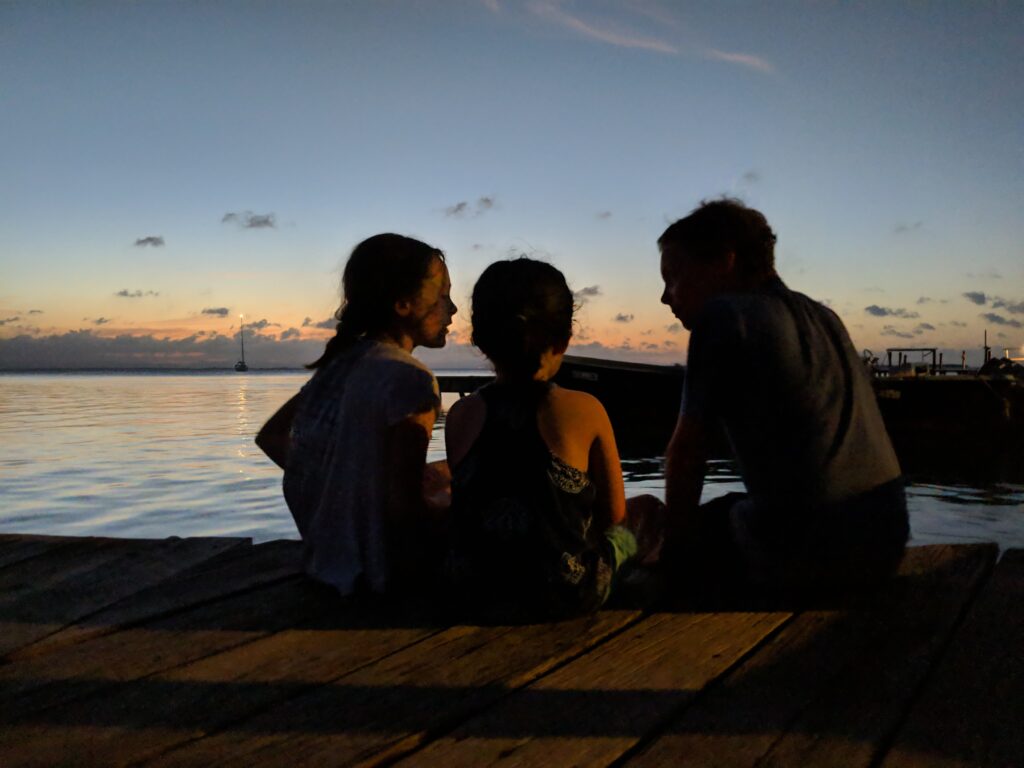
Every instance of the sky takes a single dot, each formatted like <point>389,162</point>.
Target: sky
<point>169,166</point>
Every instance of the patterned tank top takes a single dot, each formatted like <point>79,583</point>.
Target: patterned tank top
<point>523,542</point>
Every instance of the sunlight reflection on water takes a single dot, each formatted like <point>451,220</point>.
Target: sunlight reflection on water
<point>150,455</point>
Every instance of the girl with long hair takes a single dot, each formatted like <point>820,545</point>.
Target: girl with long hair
<point>353,441</point>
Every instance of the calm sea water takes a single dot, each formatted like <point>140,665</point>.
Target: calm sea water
<point>154,455</point>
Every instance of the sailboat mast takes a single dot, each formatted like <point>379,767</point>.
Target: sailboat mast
<point>241,336</point>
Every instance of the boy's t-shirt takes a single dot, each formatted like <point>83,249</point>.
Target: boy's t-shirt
<point>336,480</point>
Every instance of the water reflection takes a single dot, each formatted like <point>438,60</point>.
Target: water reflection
<point>172,455</point>
<point>242,422</point>
<point>940,513</point>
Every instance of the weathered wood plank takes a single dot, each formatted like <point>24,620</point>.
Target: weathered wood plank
<point>971,712</point>
<point>234,570</point>
<point>106,574</point>
<point>593,710</point>
<point>390,707</point>
<point>829,686</point>
<point>17,547</point>
<point>57,565</point>
<point>128,721</point>
<point>34,684</point>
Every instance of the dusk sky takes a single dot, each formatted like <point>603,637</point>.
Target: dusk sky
<point>169,166</point>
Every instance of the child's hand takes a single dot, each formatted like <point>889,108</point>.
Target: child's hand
<point>437,485</point>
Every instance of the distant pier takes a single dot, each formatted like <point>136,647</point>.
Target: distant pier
<point>213,652</point>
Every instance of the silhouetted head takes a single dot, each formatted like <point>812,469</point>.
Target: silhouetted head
<point>721,246</point>
<point>521,309</point>
<point>392,285</point>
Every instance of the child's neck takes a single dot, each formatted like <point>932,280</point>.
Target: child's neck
<point>394,338</point>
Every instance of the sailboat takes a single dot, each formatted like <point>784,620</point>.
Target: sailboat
<point>240,366</point>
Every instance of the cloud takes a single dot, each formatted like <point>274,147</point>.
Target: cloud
<point>1013,307</point>
<point>7,320</point>
<point>874,289</point>
<point>925,300</point>
<point>492,5</point>
<point>330,323</point>
<point>890,330</point>
<point>990,275</point>
<point>583,294</point>
<point>674,328</point>
<point>87,349</point>
<point>751,177</point>
<point>958,323</point>
<point>604,215</point>
<point>290,333</point>
<point>259,325</point>
<point>925,327</point>
<point>995,319</point>
<point>621,38</point>
<point>623,317</point>
<point>35,311</point>
<point>154,240</point>
<point>98,320</point>
<point>977,297</point>
<point>218,311</point>
<point>463,208</point>
<point>250,220</point>
<point>902,228</point>
<point>877,311</point>
<point>742,59</point>
<point>665,354</point>
<point>124,293</point>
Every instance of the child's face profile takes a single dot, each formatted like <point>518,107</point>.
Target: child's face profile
<point>432,308</point>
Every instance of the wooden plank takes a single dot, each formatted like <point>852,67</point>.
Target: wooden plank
<point>593,710</point>
<point>17,547</point>
<point>388,708</point>
<point>136,718</point>
<point>52,567</point>
<point>34,684</point>
<point>234,570</point>
<point>829,686</point>
<point>105,575</point>
<point>971,712</point>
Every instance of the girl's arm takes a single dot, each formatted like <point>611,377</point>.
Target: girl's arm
<point>605,469</point>
<point>410,529</point>
<point>272,439</point>
<point>462,427</point>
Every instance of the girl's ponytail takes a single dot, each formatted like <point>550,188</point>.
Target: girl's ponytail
<point>346,333</point>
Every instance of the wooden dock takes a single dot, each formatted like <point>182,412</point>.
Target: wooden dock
<point>214,652</point>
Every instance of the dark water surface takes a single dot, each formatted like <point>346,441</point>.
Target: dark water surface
<point>154,455</point>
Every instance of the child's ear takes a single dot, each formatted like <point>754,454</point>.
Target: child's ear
<point>403,307</point>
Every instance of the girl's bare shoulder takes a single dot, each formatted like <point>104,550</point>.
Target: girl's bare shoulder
<point>573,404</point>
<point>466,411</point>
